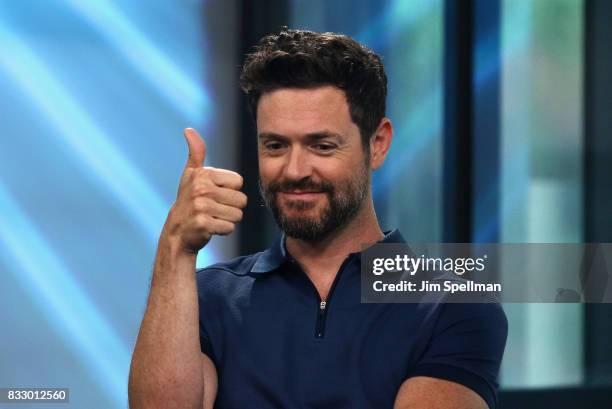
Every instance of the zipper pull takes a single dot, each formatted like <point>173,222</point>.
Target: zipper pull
<point>322,305</point>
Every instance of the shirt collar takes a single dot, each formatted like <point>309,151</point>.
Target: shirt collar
<point>276,255</point>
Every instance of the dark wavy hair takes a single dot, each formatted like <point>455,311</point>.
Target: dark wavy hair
<point>305,59</point>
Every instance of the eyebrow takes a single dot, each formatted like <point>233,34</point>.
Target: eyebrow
<point>309,137</point>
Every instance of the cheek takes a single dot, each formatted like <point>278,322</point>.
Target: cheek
<point>355,178</point>
<point>340,172</point>
<point>268,170</point>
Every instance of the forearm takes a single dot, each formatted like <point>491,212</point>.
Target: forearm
<point>166,368</point>
<point>422,392</point>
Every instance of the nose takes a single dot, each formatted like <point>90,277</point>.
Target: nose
<point>298,165</point>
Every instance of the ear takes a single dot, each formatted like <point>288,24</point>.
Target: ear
<point>380,142</point>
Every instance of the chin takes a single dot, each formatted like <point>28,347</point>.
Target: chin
<point>310,215</point>
<point>313,212</point>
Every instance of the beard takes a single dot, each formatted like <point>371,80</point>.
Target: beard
<point>344,199</point>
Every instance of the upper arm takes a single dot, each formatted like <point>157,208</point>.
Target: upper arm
<point>210,382</point>
<point>462,358</point>
<point>208,367</point>
<point>422,392</point>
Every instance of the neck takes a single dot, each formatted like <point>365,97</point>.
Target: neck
<point>329,252</point>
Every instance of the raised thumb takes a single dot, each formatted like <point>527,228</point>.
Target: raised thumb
<point>197,148</point>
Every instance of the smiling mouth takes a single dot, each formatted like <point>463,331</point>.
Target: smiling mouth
<point>301,195</point>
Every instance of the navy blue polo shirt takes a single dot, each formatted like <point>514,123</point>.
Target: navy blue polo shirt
<point>276,345</point>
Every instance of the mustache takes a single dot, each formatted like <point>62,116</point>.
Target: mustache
<point>302,184</point>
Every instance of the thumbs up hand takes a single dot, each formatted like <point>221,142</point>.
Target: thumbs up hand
<point>209,200</point>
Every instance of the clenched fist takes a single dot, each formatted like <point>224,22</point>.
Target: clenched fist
<point>208,200</point>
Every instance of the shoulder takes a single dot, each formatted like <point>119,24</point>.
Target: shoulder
<point>478,317</point>
<point>485,316</point>
<point>480,309</point>
<point>239,266</point>
<point>226,277</point>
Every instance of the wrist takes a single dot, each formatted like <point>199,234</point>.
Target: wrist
<point>174,248</point>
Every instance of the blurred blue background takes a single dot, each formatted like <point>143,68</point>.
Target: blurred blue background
<point>94,97</point>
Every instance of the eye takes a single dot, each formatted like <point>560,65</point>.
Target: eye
<point>273,146</point>
<point>324,147</point>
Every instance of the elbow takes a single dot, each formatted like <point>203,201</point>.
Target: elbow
<point>146,393</point>
<point>166,400</point>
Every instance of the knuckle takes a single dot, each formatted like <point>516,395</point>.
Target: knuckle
<point>202,189</point>
<point>201,220</point>
<point>203,174</point>
<point>213,173</point>
<point>200,204</point>
<point>207,172</point>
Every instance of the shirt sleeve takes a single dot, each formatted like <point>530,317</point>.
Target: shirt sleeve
<point>466,347</point>
<point>205,345</point>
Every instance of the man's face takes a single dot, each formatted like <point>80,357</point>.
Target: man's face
<point>314,175</point>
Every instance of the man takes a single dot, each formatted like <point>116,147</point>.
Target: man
<point>285,328</point>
